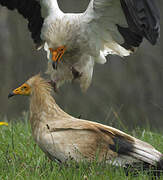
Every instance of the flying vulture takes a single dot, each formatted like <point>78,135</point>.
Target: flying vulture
<point>75,41</point>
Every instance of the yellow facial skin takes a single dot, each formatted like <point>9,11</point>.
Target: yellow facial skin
<point>22,90</point>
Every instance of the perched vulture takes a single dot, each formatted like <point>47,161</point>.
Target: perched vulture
<point>63,137</point>
<point>74,42</point>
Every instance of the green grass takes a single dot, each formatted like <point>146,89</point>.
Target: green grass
<point>21,158</point>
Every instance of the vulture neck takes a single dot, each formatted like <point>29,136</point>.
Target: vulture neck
<point>42,105</point>
<point>50,6</point>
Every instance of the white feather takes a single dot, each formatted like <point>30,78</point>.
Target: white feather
<point>88,38</point>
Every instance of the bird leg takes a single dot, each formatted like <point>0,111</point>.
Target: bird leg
<point>76,74</point>
<point>57,55</point>
<point>79,117</point>
<point>54,85</point>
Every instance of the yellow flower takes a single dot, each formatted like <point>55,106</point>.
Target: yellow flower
<point>3,123</point>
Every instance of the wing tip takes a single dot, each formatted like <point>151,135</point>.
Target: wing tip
<point>143,18</point>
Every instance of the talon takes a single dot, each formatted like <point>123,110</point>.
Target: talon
<point>79,117</point>
<point>53,84</point>
<point>76,73</point>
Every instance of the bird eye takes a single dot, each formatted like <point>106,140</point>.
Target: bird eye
<point>24,88</point>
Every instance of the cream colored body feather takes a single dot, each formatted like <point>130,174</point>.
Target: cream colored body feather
<point>64,137</point>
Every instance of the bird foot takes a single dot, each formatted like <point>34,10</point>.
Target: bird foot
<point>79,117</point>
<point>76,74</point>
<point>54,85</point>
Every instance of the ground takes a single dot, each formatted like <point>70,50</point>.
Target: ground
<point>21,158</point>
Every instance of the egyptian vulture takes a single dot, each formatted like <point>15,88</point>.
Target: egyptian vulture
<point>63,137</point>
<point>75,42</point>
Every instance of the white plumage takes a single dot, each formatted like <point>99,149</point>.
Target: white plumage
<point>88,38</point>
<point>75,42</point>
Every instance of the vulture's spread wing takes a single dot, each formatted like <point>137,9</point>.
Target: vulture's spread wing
<point>30,10</point>
<point>143,18</point>
<point>126,21</point>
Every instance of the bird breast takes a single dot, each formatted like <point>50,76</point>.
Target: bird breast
<point>60,31</point>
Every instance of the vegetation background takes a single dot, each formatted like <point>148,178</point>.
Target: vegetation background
<point>22,159</point>
<point>129,88</point>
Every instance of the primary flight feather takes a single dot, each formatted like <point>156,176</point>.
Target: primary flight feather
<point>76,41</point>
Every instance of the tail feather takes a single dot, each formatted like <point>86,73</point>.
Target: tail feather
<point>149,155</point>
<point>147,159</point>
<point>116,49</point>
<point>137,154</point>
<point>146,153</point>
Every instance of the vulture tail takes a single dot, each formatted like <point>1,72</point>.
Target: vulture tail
<point>137,155</point>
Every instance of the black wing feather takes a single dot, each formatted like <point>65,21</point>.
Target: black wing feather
<point>30,10</point>
<point>143,18</point>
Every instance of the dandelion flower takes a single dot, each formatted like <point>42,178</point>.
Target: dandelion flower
<point>3,123</point>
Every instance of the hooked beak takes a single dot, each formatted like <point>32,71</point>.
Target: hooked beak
<point>57,55</point>
<point>11,94</point>
<point>54,64</point>
<point>24,89</point>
